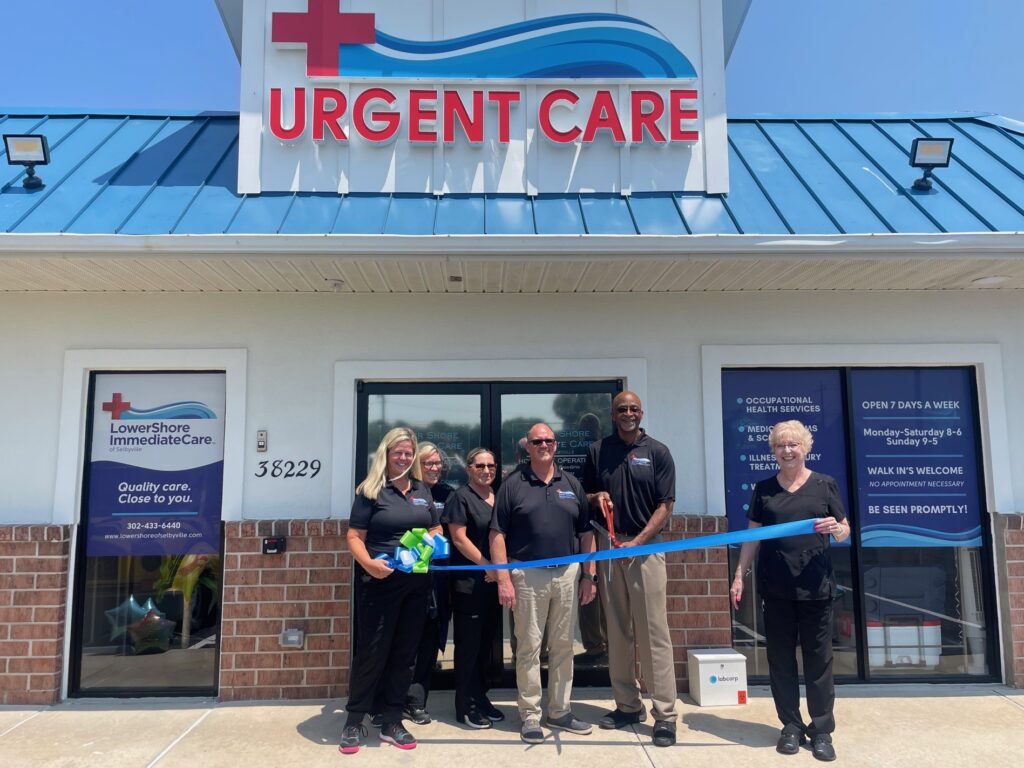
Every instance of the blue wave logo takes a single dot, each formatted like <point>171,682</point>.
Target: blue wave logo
<point>186,409</point>
<point>581,45</point>
<point>894,535</point>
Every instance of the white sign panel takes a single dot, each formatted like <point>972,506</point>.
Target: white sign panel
<point>463,96</point>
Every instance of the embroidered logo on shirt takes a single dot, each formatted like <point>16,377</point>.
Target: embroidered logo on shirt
<point>417,502</point>
<point>566,495</point>
<point>438,505</point>
<point>639,461</point>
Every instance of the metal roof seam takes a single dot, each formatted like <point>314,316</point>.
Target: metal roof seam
<point>729,211</point>
<point>892,180</point>
<point>116,174</point>
<point>583,216</point>
<point>284,218</point>
<point>682,217</point>
<point>533,212</point>
<point>199,188</point>
<point>387,214</point>
<point>433,223</point>
<point>632,217</point>
<point>844,177</point>
<point>156,184</point>
<point>967,167</point>
<point>760,186</point>
<point>800,178</point>
<point>52,186</point>
<point>1009,166</point>
<point>337,213</point>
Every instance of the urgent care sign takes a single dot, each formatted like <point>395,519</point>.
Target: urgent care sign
<point>471,96</point>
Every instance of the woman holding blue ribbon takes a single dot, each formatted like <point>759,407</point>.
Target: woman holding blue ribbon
<point>797,586</point>
<point>390,605</point>
<point>475,610</point>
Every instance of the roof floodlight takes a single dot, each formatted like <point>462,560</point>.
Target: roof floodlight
<point>29,150</point>
<point>929,154</point>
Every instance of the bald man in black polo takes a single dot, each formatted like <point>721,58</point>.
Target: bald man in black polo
<point>636,475</point>
<point>542,512</point>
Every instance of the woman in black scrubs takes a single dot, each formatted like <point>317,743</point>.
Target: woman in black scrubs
<point>475,609</point>
<point>797,586</point>
<point>438,612</point>
<point>390,605</point>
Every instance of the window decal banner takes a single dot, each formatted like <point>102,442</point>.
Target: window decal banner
<point>914,442</point>
<point>156,464</point>
<point>753,401</point>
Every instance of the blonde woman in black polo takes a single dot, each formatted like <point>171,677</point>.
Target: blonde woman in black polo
<point>390,606</point>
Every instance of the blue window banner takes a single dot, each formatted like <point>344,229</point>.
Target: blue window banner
<point>156,464</point>
<point>753,401</point>
<point>915,453</point>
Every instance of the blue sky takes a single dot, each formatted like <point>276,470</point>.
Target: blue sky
<point>793,56</point>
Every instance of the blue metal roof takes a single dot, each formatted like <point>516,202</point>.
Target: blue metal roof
<point>145,174</point>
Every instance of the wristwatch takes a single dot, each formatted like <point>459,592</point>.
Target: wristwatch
<point>589,577</point>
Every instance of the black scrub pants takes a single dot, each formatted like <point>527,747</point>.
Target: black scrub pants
<point>388,624</point>
<point>477,618</point>
<point>426,653</point>
<point>810,621</point>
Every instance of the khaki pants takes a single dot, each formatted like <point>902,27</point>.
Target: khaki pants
<point>545,597</point>
<point>633,591</point>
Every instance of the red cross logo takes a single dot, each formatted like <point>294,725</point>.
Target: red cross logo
<point>117,406</point>
<point>322,28</point>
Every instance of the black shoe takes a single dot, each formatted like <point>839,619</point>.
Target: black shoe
<point>351,739</point>
<point>569,722</point>
<point>418,715</point>
<point>790,741</point>
<point>619,719</point>
<point>396,735</point>
<point>475,719</point>
<point>491,712</point>
<point>592,658</point>
<point>822,749</point>
<point>377,721</point>
<point>664,733</point>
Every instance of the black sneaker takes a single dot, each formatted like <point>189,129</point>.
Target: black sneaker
<point>396,735</point>
<point>790,741</point>
<point>619,719</point>
<point>822,749</point>
<point>377,721</point>
<point>664,733</point>
<point>351,739</point>
<point>475,719</point>
<point>491,712</point>
<point>418,715</point>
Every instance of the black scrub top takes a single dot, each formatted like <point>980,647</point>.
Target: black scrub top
<point>465,507</point>
<point>796,567</point>
<point>388,518</point>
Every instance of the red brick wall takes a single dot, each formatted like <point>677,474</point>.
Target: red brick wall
<point>1014,543</point>
<point>33,593</point>
<point>306,587</point>
<point>698,592</point>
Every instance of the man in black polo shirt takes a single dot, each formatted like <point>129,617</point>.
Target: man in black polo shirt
<point>636,475</point>
<point>542,512</point>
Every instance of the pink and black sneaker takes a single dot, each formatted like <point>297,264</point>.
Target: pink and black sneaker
<point>396,735</point>
<point>351,739</point>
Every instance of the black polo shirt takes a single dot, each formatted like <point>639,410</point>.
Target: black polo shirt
<point>540,519</point>
<point>796,567</point>
<point>464,507</point>
<point>638,477</point>
<point>388,518</point>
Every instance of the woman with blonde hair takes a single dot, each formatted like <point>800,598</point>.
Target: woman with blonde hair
<point>390,605</point>
<point>797,586</point>
<point>435,630</point>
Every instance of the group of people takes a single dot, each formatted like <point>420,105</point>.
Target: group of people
<point>539,513</point>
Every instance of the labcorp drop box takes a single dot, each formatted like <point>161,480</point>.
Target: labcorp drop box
<point>718,677</point>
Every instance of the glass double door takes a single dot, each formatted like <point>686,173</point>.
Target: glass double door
<point>459,416</point>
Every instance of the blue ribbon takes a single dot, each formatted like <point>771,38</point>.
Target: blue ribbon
<point>798,528</point>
